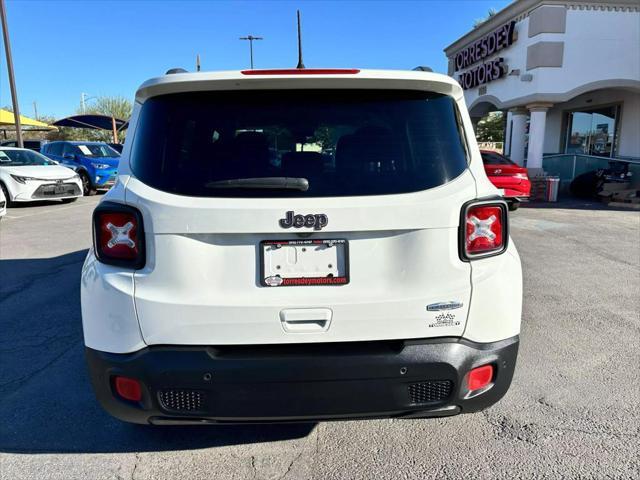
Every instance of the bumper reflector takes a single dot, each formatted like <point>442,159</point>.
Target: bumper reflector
<point>480,377</point>
<point>128,388</point>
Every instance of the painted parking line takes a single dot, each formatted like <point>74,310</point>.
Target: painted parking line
<point>50,210</point>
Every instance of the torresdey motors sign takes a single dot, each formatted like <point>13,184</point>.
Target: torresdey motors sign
<point>501,38</point>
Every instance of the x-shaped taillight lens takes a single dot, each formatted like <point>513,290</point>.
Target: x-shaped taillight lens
<point>118,235</point>
<point>485,229</point>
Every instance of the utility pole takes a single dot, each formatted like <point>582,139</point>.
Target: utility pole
<point>82,95</point>
<point>198,62</point>
<point>12,81</point>
<point>251,38</point>
<point>35,110</point>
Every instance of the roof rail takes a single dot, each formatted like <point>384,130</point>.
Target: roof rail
<point>422,68</point>
<point>171,71</point>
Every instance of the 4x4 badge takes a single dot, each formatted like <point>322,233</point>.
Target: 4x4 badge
<point>317,221</point>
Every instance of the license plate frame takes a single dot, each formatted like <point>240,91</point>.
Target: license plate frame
<point>306,280</point>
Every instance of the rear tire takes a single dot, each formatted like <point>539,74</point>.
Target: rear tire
<point>87,188</point>
<point>5,191</point>
<point>69,200</point>
<point>513,206</point>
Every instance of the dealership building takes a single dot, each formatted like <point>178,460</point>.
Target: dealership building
<point>565,73</point>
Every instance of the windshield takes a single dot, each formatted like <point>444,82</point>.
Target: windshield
<point>21,158</point>
<point>97,150</point>
<point>341,142</point>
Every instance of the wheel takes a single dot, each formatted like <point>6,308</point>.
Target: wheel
<point>5,191</point>
<point>87,189</point>
<point>69,200</point>
<point>513,206</point>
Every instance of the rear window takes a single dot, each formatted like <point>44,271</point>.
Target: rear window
<point>343,143</point>
<point>492,158</point>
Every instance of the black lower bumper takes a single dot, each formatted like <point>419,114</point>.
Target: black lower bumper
<point>234,384</point>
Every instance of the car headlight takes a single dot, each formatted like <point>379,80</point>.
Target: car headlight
<point>21,179</point>
<point>99,166</point>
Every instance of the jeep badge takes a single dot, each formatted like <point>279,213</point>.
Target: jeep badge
<point>317,221</point>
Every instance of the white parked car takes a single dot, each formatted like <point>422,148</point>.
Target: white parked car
<point>3,204</point>
<point>28,176</point>
<point>300,245</point>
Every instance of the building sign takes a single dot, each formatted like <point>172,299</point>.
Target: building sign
<point>485,73</point>
<point>501,38</point>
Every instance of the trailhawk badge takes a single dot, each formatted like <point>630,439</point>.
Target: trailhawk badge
<point>317,221</point>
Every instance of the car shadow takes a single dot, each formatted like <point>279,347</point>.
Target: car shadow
<point>572,203</point>
<point>46,401</point>
<point>37,203</point>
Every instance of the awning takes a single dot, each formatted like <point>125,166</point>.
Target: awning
<point>95,122</point>
<point>7,119</point>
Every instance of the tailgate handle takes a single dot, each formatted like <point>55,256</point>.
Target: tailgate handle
<point>306,320</point>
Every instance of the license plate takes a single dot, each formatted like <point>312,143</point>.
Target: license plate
<point>287,263</point>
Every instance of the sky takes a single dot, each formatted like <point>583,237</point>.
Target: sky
<point>63,48</point>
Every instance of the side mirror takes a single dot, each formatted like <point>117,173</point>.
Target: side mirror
<point>69,156</point>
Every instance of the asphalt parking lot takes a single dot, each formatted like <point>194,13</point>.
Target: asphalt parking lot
<point>572,411</point>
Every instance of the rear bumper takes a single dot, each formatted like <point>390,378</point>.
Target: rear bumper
<point>519,195</point>
<point>235,384</point>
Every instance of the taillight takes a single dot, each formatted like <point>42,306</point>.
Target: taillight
<point>484,229</point>
<point>479,377</point>
<point>118,235</point>
<point>128,388</point>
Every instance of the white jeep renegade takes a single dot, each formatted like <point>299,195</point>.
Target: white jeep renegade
<point>300,245</point>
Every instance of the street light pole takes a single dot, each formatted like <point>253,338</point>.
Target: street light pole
<point>251,38</point>
<point>84,97</point>
<point>12,81</point>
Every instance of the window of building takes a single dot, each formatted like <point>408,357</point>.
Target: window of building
<point>593,131</point>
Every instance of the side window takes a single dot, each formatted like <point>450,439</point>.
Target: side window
<point>54,149</point>
<point>69,149</point>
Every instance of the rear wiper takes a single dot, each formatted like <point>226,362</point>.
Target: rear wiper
<point>267,183</point>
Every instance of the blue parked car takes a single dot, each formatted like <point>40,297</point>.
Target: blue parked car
<point>95,162</point>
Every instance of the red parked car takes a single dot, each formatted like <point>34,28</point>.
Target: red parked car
<point>508,176</point>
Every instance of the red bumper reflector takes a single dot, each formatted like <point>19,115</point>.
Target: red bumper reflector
<point>128,388</point>
<point>480,377</point>
<point>303,71</point>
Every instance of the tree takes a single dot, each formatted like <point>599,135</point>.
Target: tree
<point>479,21</point>
<point>491,128</point>
<point>118,107</point>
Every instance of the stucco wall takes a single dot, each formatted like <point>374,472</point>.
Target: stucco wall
<point>553,131</point>
<point>600,48</point>
<point>629,141</point>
